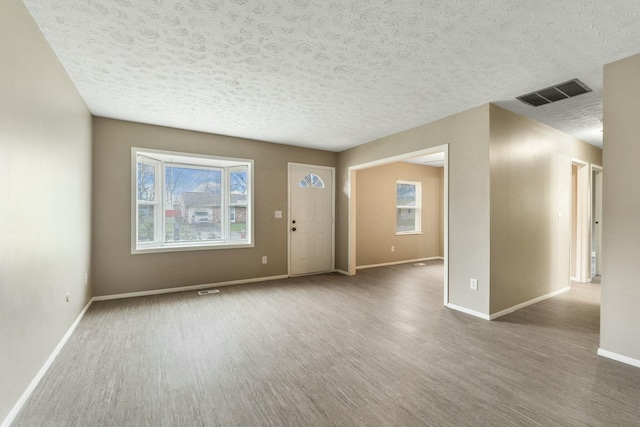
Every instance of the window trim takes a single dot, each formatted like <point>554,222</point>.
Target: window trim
<point>417,207</point>
<point>206,161</point>
<point>157,197</point>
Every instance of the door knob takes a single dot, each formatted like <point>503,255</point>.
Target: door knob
<point>293,229</point>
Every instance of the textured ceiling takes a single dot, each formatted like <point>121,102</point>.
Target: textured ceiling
<point>334,74</point>
<point>435,160</point>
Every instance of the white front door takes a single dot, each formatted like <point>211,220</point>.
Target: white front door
<point>310,219</point>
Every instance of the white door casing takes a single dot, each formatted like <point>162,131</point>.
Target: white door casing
<point>596,174</point>
<point>583,226</point>
<point>311,219</point>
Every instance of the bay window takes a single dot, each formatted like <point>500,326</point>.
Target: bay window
<point>188,201</point>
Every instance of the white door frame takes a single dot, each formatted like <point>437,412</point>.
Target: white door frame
<point>351,185</point>
<point>333,211</point>
<point>598,238</point>
<point>583,222</point>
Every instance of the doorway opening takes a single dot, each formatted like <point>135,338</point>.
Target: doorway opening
<point>582,207</point>
<point>405,219</point>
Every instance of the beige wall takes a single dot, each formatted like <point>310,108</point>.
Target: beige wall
<point>45,159</point>
<point>530,186</point>
<point>116,271</point>
<point>376,214</point>
<point>620,316</point>
<point>509,177</point>
<point>467,134</point>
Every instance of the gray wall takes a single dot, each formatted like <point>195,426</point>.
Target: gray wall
<point>376,214</point>
<point>116,270</point>
<point>45,183</point>
<point>530,185</point>
<point>467,134</point>
<point>620,316</point>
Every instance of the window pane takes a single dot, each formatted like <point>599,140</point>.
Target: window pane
<point>406,220</point>
<point>146,223</point>
<point>312,181</point>
<point>238,217</point>
<point>146,174</point>
<point>406,195</point>
<point>238,187</point>
<point>192,204</point>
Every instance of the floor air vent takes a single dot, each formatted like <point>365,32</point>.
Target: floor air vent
<point>209,291</point>
<point>555,93</point>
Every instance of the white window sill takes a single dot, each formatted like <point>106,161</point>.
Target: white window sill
<point>190,247</point>
<point>407,233</point>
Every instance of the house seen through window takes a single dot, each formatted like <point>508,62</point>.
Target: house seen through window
<point>185,201</point>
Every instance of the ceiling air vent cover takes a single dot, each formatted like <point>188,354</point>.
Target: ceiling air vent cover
<point>555,93</point>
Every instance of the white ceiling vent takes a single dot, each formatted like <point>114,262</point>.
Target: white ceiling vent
<point>555,93</point>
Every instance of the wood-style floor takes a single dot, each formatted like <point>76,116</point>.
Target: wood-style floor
<point>375,349</point>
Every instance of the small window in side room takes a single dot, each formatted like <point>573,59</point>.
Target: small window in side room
<point>408,207</point>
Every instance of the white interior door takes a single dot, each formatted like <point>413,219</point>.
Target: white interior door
<point>310,219</point>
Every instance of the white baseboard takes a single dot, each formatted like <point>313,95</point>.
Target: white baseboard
<point>510,309</point>
<point>526,303</point>
<point>346,273</point>
<point>27,393</point>
<point>187,288</point>
<point>406,261</point>
<point>468,311</point>
<point>619,357</point>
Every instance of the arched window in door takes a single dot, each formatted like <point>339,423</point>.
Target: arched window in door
<point>312,181</point>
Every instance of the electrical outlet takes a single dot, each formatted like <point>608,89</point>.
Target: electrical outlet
<point>86,278</point>
<point>264,259</point>
<point>393,248</point>
<point>278,214</point>
<point>473,284</point>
